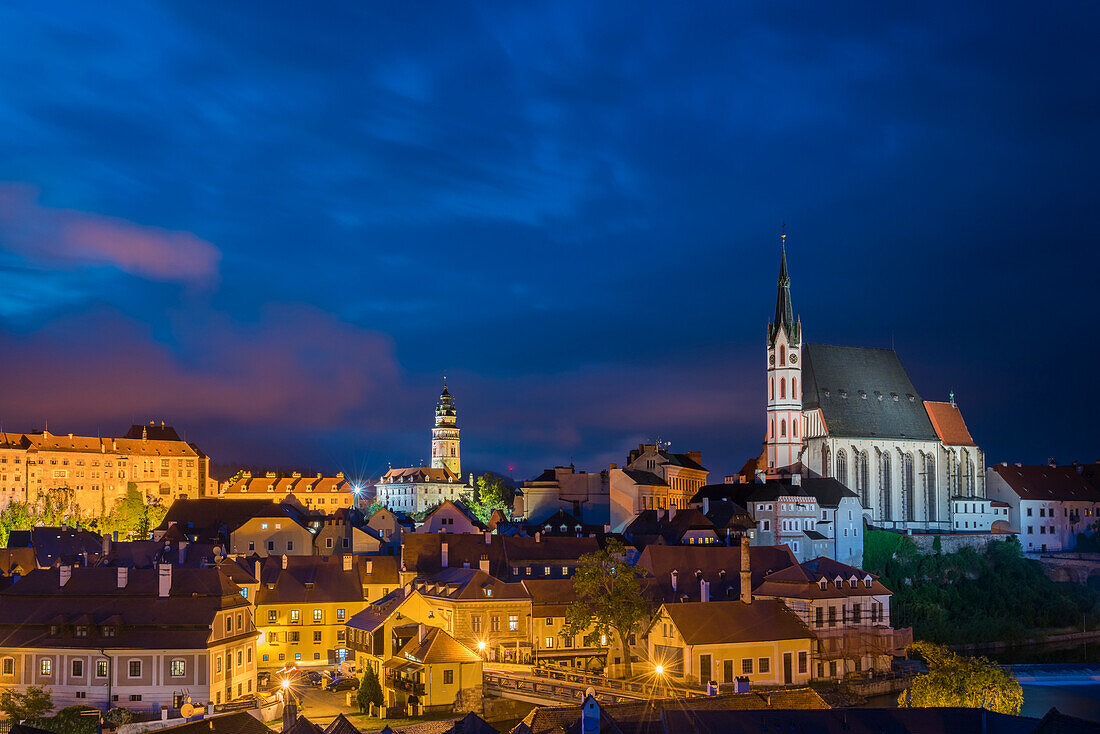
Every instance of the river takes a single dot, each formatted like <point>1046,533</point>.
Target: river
<point>1081,700</point>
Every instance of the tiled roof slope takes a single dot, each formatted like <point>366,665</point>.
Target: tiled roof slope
<point>949,424</point>
<point>863,393</point>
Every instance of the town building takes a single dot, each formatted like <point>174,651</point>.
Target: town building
<point>389,527</point>
<point>344,531</point>
<point>813,516</point>
<point>852,413</point>
<point>678,573</point>
<point>979,515</point>
<point>848,611</point>
<point>759,640</point>
<point>585,495</point>
<point>512,558</point>
<point>452,516</point>
<point>136,638</point>
<point>1048,505</point>
<point>53,546</point>
<point>319,493</point>
<point>432,671</point>
<point>550,600</point>
<point>303,604</point>
<point>418,488</point>
<point>93,473</point>
<point>277,529</point>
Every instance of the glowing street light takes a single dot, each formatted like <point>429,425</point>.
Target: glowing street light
<point>659,670</point>
<point>481,645</point>
<point>286,684</point>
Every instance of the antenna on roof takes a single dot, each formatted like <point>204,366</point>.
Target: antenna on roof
<point>951,397</point>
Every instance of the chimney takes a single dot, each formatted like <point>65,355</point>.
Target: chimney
<point>164,579</point>
<point>704,590</point>
<point>284,557</point>
<point>671,512</point>
<point>796,480</point>
<point>421,630</point>
<point>484,563</point>
<point>706,505</point>
<point>538,537</point>
<point>106,545</point>
<point>123,576</point>
<point>444,554</point>
<point>746,572</point>
<point>290,713</point>
<point>183,553</point>
<point>614,465</point>
<point>370,566</point>
<point>759,476</point>
<point>488,538</point>
<point>675,578</point>
<point>256,569</point>
<point>347,561</point>
<point>64,573</point>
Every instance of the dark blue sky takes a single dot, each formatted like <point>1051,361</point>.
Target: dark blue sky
<point>277,225</point>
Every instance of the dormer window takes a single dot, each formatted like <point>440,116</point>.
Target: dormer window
<point>853,583</point>
<point>488,592</point>
<point>839,584</point>
<point>823,584</point>
<point>862,395</point>
<point>867,582</point>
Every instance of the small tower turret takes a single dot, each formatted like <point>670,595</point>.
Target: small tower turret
<point>446,452</point>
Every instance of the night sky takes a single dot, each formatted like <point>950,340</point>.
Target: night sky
<point>277,226</point>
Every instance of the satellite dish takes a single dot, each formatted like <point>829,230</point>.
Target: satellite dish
<point>187,711</point>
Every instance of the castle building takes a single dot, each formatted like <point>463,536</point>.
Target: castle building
<point>95,472</point>
<point>852,413</point>
<point>419,488</point>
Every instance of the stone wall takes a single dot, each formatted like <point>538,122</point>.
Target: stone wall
<point>952,543</point>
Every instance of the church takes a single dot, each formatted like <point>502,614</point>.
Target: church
<point>852,413</point>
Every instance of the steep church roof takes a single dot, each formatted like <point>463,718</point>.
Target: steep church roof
<point>784,314</point>
<point>863,393</point>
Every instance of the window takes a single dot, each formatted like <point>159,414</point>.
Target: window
<point>494,624</point>
<point>549,643</point>
<point>101,669</point>
<point>294,636</point>
<point>177,668</point>
<point>137,696</point>
<point>316,615</point>
<point>272,615</point>
<point>782,387</point>
<point>45,667</point>
<point>228,624</point>
<point>240,660</point>
<point>746,665</point>
<point>293,615</point>
<point>546,571</point>
<point>475,624</point>
<point>218,664</point>
<point>782,428</point>
<point>78,668</point>
<point>297,656</point>
<point>316,635</point>
<point>251,545</point>
<point>513,622</point>
<point>803,663</point>
<point>765,665</point>
<point>271,546</point>
<point>249,654</point>
<point>1029,512</point>
<point>8,666</point>
<point>135,669</point>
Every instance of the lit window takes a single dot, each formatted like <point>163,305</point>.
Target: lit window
<point>177,668</point>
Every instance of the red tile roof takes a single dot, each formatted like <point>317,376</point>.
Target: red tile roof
<point>1042,482</point>
<point>949,424</point>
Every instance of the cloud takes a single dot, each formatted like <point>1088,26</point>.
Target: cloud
<point>68,238</point>
<point>294,366</point>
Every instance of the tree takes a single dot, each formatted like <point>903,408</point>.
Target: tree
<point>369,690</point>
<point>609,599</point>
<point>491,493</point>
<point>957,680</point>
<point>32,704</point>
<point>374,507</point>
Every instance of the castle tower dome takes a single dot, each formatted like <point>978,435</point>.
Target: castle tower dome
<point>446,452</point>
<point>784,428</point>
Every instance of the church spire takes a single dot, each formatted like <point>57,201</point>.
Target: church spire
<point>784,313</point>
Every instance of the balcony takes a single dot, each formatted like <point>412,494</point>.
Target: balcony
<point>406,685</point>
<point>854,642</point>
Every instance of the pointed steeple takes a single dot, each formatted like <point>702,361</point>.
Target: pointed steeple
<point>784,313</point>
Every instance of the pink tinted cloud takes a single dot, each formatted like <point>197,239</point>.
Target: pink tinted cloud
<point>295,366</point>
<point>67,238</point>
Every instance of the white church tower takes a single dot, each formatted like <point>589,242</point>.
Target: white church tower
<point>446,453</point>
<point>784,429</point>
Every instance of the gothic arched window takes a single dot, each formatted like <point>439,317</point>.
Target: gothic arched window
<point>773,388</point>
<point>863,479</point>
<point>794,388</point>
<point>782,354</point>
<point>929,485</point>
<point>782,387</point>
<point>783,429</point>
<point>794,427</point>
<point>842,467</point>
<point>884,486</point>
<point>907,486</point>
<point>824,460</point>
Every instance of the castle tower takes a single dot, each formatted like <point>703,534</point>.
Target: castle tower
<point>784,429</point>
<point>445,448</point>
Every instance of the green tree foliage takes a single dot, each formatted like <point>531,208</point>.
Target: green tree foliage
<point>132,517</point>
<point>69,720</point>
<point>374,507</point>
<point>32,704</point>
<point>974,596</point>
<point>957,680</point>
<point>369,690</point>
<point>490,494</point>
<point>610,599</point>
